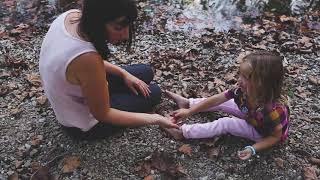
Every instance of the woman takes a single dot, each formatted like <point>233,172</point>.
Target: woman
<point>74,74</point>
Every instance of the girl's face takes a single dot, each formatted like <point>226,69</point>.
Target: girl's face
<point>117,33</point>
<point>244,77</point>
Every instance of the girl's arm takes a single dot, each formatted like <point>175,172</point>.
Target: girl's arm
<point>209,102</point>
<point>265,143</point>
<point>269,141</point>
<point>181,114</point>
<point>89,71</point>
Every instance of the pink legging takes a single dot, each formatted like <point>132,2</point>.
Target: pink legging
<point>232,125</point>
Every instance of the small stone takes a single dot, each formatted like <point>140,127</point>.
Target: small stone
<point>10,173</point>
<point>203,178</point>
<point>201,165</point>
<point>27,146</point>
<point>27,164</point>
<point>33,152</point>
<point>220,176</point>
<point>41,120</point>
<point>18,164</point>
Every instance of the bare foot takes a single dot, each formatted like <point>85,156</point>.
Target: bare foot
<point>182,102</point>
<point>175,133</point>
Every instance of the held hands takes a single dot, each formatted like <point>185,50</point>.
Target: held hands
<point>136,85</point>
<point>181,114</point>
<point>164,121</point>
<point>246,153</point>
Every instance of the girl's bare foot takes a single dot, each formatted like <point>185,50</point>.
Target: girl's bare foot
<point>175,133</point>
<point>182,102</point>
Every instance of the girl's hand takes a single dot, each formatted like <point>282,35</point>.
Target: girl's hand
<point>245,154</point>
<point>180,114</point>
<point>136,85</point>
<point>165,122</point>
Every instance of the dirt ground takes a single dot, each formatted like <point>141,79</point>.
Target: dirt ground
<point>32,142</point>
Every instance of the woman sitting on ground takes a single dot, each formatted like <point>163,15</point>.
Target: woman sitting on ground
<point>90,96</point>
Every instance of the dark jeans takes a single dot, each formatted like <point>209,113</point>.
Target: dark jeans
<point>122,98</point>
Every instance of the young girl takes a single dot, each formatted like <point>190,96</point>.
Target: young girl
<point>260,109</point>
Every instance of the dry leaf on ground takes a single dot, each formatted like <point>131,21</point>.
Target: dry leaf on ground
<point>315,161</point>
<point>309,173</point>
<point>71,163</point>
<point>41,174</point>
<point>279,162</point>
<point>34,79</point>
<point>185,149</point>
<point>213,152</point>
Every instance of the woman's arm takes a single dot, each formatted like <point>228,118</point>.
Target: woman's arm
<point>113,69</point>
<point>89,71</point>
<point>136,85</point>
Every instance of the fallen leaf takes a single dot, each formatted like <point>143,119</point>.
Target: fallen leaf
<point>14,176</point>
<point>35,166</point>
<point>214,152</point>
<point>309,173</point>
<point>3,90</point>
<point>161,161</point>
<point>150,177</point>
<point>41,100</point>
<point>283,35</point>
<point>185,149</point>
<point>279,162</point>
<point>314,80</point>
<point>36,140</point>
<point>71,163</point>
<point>18,164</point>
<point>143,168</point>
<point>285,18</point>
<point>211,142</point>
<point>181,170</point>
<point>306,41</point>
<point>219,82</point>
<point>210,86</point>
<point>34,79</point>
<point>230,77</point>
<point>260,46</point>
<point>4,75</point>
<point>15,111</point>
<point>315,161</point>
<point>41,174</point>
<point>11,62</point>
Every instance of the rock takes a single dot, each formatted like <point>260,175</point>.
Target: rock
<point>9,173</point>
<point>27,146</point>
<point>203,178</point>
<point>27,164</point>
<point>18,164</point>
<point>33,152</point>
<point>220,176</point>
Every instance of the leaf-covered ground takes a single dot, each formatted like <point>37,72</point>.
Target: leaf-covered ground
<point>33,145</point>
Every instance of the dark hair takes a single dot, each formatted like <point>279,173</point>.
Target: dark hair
<point>97,13</point>
<point>266,76</point>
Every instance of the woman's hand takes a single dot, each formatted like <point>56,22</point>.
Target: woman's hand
<point>245,154</point>
<point>136,85</point>
<point>164,122</point>
<point>180,114</point>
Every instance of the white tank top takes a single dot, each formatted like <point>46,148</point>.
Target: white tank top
<point>58,49</point>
